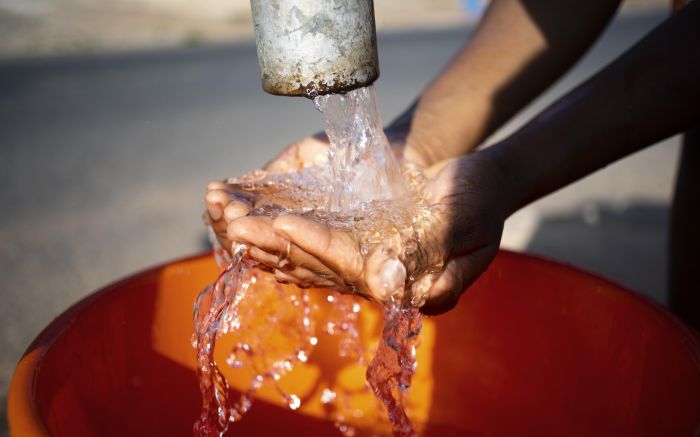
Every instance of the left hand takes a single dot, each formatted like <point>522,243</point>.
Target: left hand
<point>225,203</point>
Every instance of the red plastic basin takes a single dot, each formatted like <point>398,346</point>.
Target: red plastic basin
<point>535,348</point>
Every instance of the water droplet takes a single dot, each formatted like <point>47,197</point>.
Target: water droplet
<point>294,402</point>
<point>256,383</point>
<point>233,361</point>
<point>245,404</point>
<point>327,396</point>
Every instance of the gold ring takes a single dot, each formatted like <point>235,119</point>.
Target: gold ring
<point>284,260</point>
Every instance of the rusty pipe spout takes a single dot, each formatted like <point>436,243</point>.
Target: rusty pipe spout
<point>312,47</point>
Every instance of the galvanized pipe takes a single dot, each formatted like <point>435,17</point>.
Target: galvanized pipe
<point>312,47</point>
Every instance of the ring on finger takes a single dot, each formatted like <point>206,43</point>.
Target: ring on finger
<point>283,260</point>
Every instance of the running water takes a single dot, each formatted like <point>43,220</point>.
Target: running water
<point>361,190</point>
<point>267,354</point>
<point>362,166</point>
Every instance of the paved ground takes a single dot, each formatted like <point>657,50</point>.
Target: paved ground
<point>48,27</point>
<point>103,162</point>
<point>45,27</point>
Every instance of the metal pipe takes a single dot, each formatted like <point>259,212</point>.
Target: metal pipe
<point>312,47</point>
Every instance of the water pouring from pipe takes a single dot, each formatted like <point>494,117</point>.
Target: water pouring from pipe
<point>360,193</point>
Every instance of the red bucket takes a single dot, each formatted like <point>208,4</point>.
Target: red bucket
<point>534,348</point>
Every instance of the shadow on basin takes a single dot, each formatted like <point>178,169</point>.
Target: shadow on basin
<point>627,244</point>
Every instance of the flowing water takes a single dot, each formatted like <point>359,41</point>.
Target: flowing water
<point>363,191</point>
<point>362,166</point>
<point>241,300</point>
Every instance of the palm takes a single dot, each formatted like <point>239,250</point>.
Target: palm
<point>225,203</point>
<point>464,232</point>
<point>307,152</point>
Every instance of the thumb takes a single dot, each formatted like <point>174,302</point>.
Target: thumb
<point>385,275</point>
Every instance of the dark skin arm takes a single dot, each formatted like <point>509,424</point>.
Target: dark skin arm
<point>518,50</point>
<point>646,95</point>
<point>650,93</point>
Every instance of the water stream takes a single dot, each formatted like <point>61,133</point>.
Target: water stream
<point>362,190</point>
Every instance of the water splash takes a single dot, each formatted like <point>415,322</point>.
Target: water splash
<point>362,166</point>
<point>363,191</point>
<point>390,372</point>
<point>239,301</point>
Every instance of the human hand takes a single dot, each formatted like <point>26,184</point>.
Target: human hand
<point>470,195</point>
<point>468,211</point>
<point>225,202</point>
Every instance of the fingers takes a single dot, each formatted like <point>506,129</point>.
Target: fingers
<point>216,199</point>
<point>308,151</point>
<point>223,206</point>
<point>458,275</point>
<point>284,278</point>
<point>313,150</point>
<point>333,248</point>
<point>256,231</point>
<point>276,251</point>
<point>220,197</point>
<point>268,259</point>
<point>385,275</point>
<point>236,209</point>
<point>303,278</point>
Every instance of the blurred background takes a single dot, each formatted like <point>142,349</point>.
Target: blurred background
<point>115,114</point>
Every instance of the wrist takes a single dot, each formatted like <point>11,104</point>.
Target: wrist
<point>441,126</point>
<point>512,182</point>
<point>408,141</point>
<point>451,125</point>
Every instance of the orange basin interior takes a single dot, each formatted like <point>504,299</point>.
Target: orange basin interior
<point>534,348</point>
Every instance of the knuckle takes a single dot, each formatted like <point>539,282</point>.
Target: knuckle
<point>215,185</point>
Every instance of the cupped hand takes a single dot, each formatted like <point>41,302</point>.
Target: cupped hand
<point>470,196</point>
<point>468,211</point>
<point>226,203</point>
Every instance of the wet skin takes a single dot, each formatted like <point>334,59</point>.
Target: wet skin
<point>648,94</point>
<point>310,254</point>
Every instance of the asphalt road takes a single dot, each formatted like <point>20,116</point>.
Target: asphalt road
<point>104,160</point>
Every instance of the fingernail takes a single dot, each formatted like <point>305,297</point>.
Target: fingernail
<point>215,185</point>
<point>392,276</point>
<point>234,210</point>
<point>215,212</point>
<point>421,288</point>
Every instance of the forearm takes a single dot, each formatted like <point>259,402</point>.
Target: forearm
<point>650,93</point>
<point>519,48</point>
